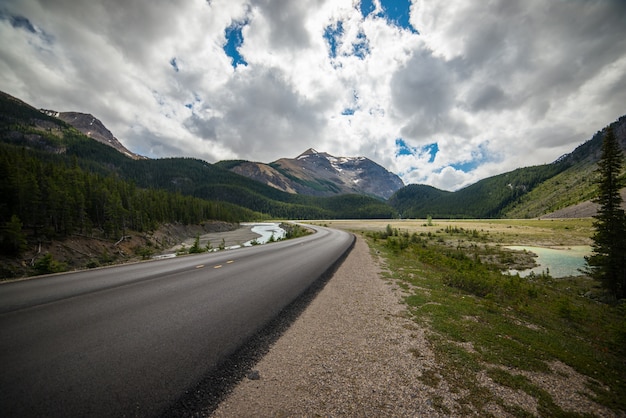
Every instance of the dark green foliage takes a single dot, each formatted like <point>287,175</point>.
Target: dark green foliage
<point>459,267</point>
<point>228,164</point>
<point>356,207</point>
<point>476,318</point>
<point>54,197</point>
<point>47,265</point>
<point>294,230</point>
<point>488,198</point>
<point>607,263</point>
<point>196,248</point>
<point>413,200</point>
<point>12,238</point>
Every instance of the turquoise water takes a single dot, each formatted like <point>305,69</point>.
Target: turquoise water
<point>560,262</point>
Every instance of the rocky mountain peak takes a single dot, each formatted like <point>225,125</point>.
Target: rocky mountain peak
<point>93,128</point>
<point>321,174</point>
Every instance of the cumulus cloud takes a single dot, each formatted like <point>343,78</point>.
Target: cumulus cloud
<point>457,92</point>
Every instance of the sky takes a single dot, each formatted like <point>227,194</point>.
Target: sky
<point>440,93</point>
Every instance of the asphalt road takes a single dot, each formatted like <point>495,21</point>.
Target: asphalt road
<point>129,340</point>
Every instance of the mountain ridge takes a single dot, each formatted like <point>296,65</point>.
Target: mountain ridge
<point>92,127</point>
<point>526,192</point>
<point>321,174</point>
<point>296,187</point>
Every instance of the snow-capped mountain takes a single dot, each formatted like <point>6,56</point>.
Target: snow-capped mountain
<point>321,174</point>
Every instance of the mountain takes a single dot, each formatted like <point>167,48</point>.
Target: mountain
<point>575,185</point>
<point>93,128</point>
<point>568,182</point>
<point>321,174</point>
<point>50,140</point>
<point>314,185</point>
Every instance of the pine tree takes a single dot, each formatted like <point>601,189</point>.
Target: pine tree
<point>608,259</point>
<point>12,239</point>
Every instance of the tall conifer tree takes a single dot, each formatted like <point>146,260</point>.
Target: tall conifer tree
<point>608,259</point>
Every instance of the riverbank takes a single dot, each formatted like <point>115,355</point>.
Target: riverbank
<point>230,238</point>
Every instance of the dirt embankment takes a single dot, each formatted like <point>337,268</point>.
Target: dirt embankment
<point>88,251</point>
<point>586,209</point>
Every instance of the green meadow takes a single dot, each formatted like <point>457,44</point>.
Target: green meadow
<point>517,332</point>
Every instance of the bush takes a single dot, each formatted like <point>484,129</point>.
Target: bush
<point>47,265</point>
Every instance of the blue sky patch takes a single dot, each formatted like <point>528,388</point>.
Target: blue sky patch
<point>397,12</point>
<point>22,22</point>
<point>361,48</point>
<point>431,149</point>
<point>402,148</point>
<point>479,158</point>
<point>465,166</point>
<point>234,39</point>
<point>366,7</point>
<point>348,111</point>
<point>332,34</point>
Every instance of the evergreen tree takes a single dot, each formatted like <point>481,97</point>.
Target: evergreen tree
<point>12,239</point>
<point>608,259</point>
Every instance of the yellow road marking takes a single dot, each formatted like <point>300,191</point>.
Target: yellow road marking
<point>200,266</point>
<point>230,261</point>
<point>219,266</point>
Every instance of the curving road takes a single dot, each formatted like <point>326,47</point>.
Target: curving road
<point>129,340</point>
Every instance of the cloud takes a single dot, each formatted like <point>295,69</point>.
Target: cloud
<point>466,89</point>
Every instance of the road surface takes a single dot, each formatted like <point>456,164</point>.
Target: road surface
<point>129,340</point>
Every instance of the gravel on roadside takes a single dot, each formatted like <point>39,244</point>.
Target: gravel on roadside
<point>352,352</point>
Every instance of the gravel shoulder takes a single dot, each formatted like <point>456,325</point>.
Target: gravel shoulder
<point>351,353</point>
<point>354,352</point>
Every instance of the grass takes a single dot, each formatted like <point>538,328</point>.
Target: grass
<point>482,321</point>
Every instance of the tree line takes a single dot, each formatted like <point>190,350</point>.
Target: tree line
<point>51,196</point>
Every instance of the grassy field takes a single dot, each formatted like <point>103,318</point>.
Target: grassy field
<point>500,338</point>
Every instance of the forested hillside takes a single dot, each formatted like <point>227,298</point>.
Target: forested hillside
<point>575,184</point>
<point>522,193</point>
<point>487,198</point>
<point>48,196</point>
<point>57,182</point>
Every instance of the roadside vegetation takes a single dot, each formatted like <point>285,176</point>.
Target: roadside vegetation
<point>292,230</point>
<point>522,334</point>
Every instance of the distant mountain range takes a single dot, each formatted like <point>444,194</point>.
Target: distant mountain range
<point>321,174</point>
<point>314,185</point>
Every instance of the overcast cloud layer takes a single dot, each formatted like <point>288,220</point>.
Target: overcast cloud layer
<point>459,91</point>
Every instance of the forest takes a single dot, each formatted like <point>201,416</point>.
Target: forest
<point>57,182</point>
<point>51,196</point>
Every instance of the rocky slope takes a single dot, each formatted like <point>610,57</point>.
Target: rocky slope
<point>93,128</point>
<point>321,174</point>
